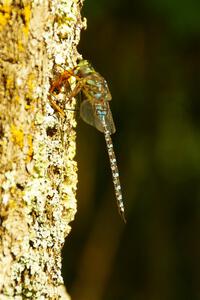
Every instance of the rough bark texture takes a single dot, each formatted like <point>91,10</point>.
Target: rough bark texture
<point>38,174</point>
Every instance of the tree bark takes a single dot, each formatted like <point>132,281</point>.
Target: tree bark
<point>38,173</point>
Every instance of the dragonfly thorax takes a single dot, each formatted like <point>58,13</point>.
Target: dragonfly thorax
<point>96,88</point>
<point>83,69</point>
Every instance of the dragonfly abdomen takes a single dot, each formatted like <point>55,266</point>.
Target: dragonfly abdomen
<point>115,172</point>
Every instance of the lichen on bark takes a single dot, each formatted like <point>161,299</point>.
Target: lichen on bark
<point>38,173</point>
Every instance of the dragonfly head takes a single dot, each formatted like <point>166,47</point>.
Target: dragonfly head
<point>84,68</point>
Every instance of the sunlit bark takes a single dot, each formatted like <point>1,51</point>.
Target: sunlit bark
<point>38,174</point>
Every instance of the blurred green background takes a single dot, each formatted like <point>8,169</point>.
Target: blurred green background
<point>149,52</point>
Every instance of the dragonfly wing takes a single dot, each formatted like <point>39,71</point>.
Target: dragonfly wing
<point>87,112</point>
<point>89,115</point>
<point>109,121</point>
<point>104,116</point>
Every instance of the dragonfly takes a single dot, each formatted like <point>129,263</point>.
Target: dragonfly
<point>94,110</point>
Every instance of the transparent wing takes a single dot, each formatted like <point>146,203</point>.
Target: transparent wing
<point>88,114</point>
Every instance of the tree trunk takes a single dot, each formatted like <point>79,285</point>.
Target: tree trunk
<point>38,174</point>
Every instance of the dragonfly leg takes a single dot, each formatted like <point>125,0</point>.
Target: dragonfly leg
<point>70,95</point>
<point>77,89</point>
<point>56,106</point>
<point>60,81</point>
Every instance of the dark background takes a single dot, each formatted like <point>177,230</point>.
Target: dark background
<point>149,52</point>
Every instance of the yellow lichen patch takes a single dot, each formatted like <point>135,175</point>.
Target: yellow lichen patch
<point>17,136</point>
<point>9,82</point>
<point>5,12</point>
<point>17,98</point>
<point>30,107</point>
<point>27,106</point>
<point>8,201</point>
<point>27,15</point>
<point>4,17</point>
<point>15,193</point>
<point>30,85</point>
<point>20,46</point>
